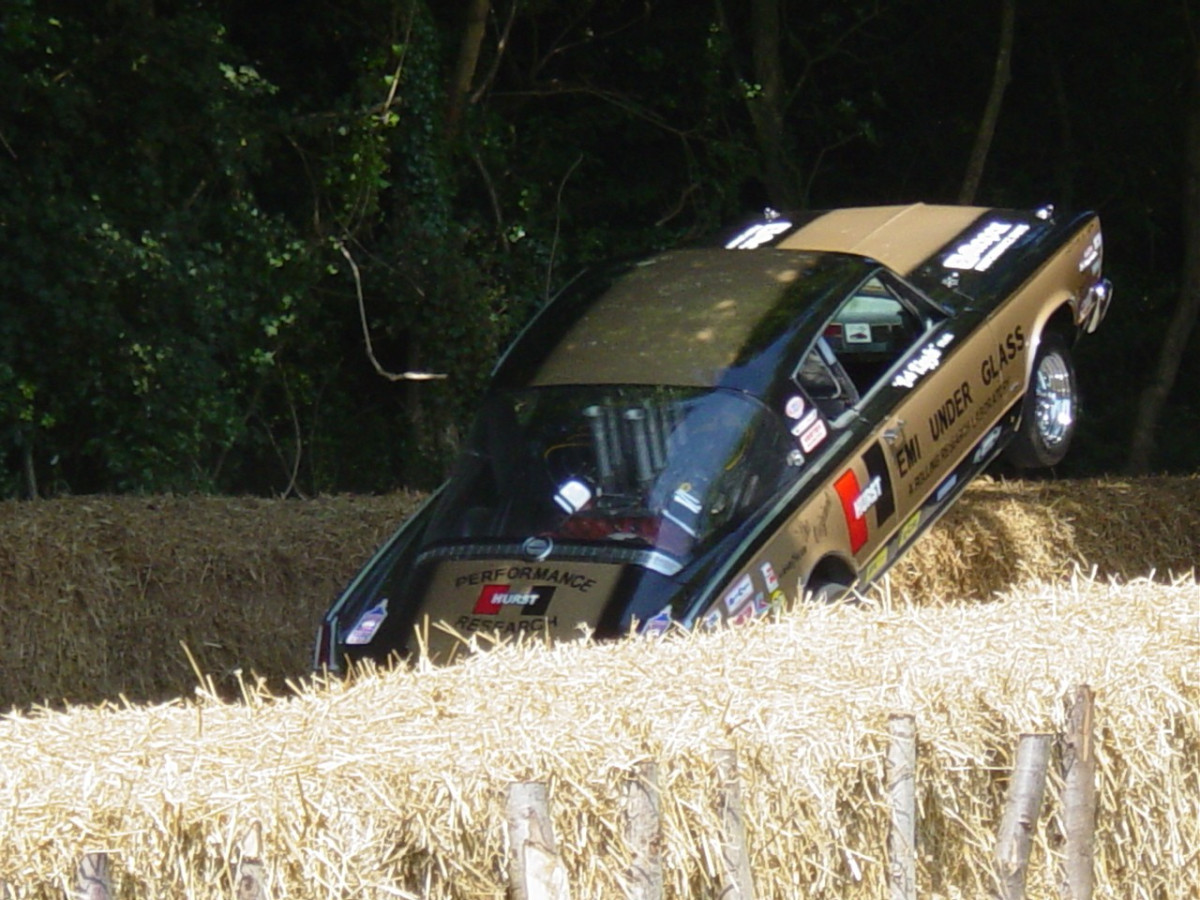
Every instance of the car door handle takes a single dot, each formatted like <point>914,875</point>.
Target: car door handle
<point>894,433</point>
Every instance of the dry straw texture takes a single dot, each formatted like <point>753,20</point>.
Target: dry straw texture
<point>393,785</point>
<point>97,593</point>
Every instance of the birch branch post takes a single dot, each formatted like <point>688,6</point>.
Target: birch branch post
<point>1021,810</point>
<point>536,872</point>
<point>93,881</point>
<point>902,797</point>
<point>643,831</point>
<point>1079,798</point>
<point>250,880</point>
<point>737,882</point>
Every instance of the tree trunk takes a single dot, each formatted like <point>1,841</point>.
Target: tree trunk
<point>468,60</point>
<point>31,483</point>
<point>765,103</point>
<point>1183,320</point>
<point>991,113</point>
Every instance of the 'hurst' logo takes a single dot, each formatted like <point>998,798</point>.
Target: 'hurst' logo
<point>494,597</point>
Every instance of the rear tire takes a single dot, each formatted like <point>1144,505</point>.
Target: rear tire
<point>1050,408</point>
<point>830,592</point>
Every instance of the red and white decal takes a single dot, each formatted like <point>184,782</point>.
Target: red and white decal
<point>769,577</point>
<point>848,490</point>
<point>858,333</point>
<point>813,437</point>
<point>857,500</point>
<point>495,597</point>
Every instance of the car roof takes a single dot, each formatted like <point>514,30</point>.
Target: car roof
<point>901,237</point>
<point>698,317</point>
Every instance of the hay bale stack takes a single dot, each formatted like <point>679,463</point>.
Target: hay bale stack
<point>393,784</point>
<point>98,593</point>
<point>1004,533</point>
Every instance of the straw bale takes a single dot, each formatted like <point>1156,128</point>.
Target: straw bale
<point>97,594</point>
<point>1002,533</point>
<point>393,783</point>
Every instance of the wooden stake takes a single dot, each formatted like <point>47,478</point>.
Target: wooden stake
<point>1079,798</point>
<point>536,872</point>
<point>643,831</point>
<point>1021,811</point>
<point>736,881</point>
<point>902,794</point>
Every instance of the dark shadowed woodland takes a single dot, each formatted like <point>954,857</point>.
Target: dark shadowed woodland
<point>275,248</point>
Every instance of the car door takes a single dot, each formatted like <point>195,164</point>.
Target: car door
<point>923,402</point>
<point>894,400</point>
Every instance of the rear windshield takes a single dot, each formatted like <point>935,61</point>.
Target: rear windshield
<point>668,468</point>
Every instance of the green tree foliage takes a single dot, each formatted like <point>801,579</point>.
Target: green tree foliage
<point>226,222</point>
<point>145,291</point>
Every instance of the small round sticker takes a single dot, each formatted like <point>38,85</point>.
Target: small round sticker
<point>795,407</point>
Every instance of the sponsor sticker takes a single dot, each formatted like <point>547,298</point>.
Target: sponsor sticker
<point>979,252</point>
<point>946,487</point>
<point>769,577</point>
<point>869,497</point>
<point>804,424</point>
<point>987,445</point>
<point>503,628</point>
<point>1091,253</point>
<point>875,566</point>
<point>857,501</point>
<point>533,601</point>
<point>660,622</point>
<point>847,490</point>
<point>368,624</point>
<point>812,438</point>
<point>928,359</point>
<point>794,407</point>
<point>736,597</point>
<point>757,235</point>
<point>857,333</point>
<point>745,614</point>
<point>533,573</point>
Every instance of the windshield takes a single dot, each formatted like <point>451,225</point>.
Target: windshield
<point>671,468</point>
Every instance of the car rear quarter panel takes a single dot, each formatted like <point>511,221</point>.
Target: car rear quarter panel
<point>890,484</point>
<point>1062,281</point>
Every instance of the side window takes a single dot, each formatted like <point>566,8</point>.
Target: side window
<point>871,331</point>
<point>825,381</point>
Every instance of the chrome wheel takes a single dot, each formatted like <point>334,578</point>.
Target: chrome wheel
<point>1055,399</point>
<point>1050,408</point>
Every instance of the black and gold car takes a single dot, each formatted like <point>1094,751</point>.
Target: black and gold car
<point>705,433</point>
